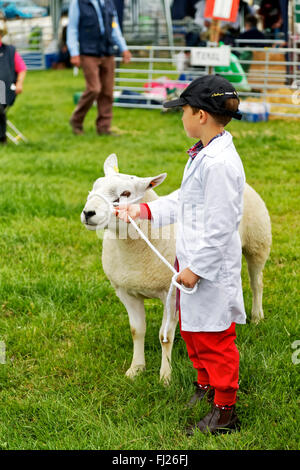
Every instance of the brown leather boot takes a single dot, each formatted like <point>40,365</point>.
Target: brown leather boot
<point>219,419</point>
<point>76,128</point>
<point>200,393</point>
<point>108,132</point>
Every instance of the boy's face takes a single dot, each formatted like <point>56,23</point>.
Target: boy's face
<point>191,122</point>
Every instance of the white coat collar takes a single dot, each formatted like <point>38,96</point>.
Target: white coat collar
<point>213,149</point>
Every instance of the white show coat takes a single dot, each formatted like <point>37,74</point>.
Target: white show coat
<point>208,212</point>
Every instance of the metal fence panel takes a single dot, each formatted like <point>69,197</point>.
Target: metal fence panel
<point>270,75</point>
<point>34,60</point>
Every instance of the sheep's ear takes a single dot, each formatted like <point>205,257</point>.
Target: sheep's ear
<point>152,182</point>
<point>111,165</point>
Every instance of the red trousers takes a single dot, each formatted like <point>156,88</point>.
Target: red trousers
<point>216,358</point>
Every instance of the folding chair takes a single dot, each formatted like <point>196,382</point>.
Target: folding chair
<point>18,135</point>
<point>13,133</point>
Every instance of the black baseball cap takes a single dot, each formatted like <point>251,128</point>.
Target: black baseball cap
<point>208,92</point>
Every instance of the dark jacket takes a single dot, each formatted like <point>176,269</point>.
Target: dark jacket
<point>91,40</point>
<point>7,72</point>
<point>252,34</point>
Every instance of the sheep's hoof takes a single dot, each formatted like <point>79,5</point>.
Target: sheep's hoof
<point>256,317</point>
<point>165,378</point>
<point>135,370</point>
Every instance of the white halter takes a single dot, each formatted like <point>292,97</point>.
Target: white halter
<point>183,289</point>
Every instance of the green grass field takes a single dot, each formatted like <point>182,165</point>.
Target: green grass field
<point>67,336</point>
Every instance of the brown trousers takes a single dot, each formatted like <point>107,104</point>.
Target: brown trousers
<point>99,78</point>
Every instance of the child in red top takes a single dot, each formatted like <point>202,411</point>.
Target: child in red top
<point>12,74</point>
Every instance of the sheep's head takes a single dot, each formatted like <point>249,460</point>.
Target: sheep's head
<point>116,188</point>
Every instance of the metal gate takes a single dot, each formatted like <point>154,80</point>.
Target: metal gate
<point>272,75</point>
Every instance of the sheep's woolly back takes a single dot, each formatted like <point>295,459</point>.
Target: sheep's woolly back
<point>255,227</point>
<point>131,264</point>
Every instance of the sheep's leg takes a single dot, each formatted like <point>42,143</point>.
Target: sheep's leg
<point>256,282</point>
<point>165,369</point>
<point>137,320</point>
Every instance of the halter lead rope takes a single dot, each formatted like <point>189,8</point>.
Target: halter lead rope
<point>182,288</point>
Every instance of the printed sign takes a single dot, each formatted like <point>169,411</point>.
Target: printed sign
<point>211,56</point>
<point>225,10</point>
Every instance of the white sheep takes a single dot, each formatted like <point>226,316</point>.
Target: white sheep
<point>136,273</point>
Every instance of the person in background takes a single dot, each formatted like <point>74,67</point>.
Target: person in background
<point>270,12</point>
<point>244,10</point>
<point>181,9</point>
<point>251,32</point>
<point>229,31</point>
<point>93,35</point>
<point>12,74</point>
<point>63,59</point>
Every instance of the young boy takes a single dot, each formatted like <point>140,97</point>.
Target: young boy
<point>208,246</point>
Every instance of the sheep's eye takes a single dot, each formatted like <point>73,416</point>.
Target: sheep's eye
<point>125,194</point>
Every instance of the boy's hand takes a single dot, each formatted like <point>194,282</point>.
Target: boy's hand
<point>187,278</point>
<point>123,211</point>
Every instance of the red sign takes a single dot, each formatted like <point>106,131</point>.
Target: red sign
<point>225,10</point>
